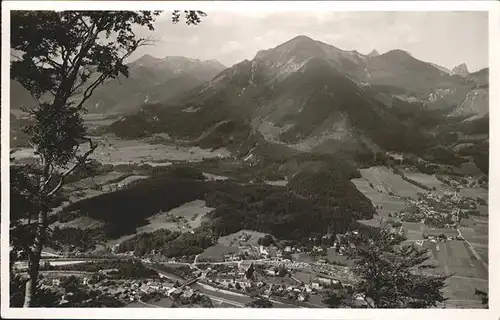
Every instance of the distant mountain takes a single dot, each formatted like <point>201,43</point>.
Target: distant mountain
<point>481,76</point>
<point>150,79</point>
<point>461,70</point>
<point>374,53</point>
<point>443,69</point>
<point>303,93</point>
<point>315,97</point>
<point>19,96</point>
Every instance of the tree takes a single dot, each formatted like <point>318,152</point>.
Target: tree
<point>282,271</point>
<point>259,302</point>
<point>392,275</point>
<point>61,57</point>
<point>483,296</point>
<point>266,240</point>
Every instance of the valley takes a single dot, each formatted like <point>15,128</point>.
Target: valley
<point>212,186</point>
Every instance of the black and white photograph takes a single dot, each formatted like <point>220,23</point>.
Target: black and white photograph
<point>245,158</point>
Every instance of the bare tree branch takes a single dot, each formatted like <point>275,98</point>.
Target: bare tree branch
<point>80,160</point>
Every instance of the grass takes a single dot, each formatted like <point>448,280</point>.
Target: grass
<point>233,239</point>
<point>217,252</point>
<point>117,151</point>
<point>455,259</point>
<point>426,179</point>
<point>188,210</point>
<point>459,289</point>
<point>386,181</point>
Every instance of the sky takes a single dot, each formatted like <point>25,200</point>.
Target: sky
<point>444,38</point>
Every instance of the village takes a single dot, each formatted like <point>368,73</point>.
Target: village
<point>440,211</point>
<point>279,274</point>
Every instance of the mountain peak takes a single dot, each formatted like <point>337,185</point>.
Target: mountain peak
<point>147,58</point>
<point>301,38</point>
<point>215,63</point>
<point>399,52</point>
<point>374,53</point>
<point>461,70</point>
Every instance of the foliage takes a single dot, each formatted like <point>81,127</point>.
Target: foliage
<point>483,296</point>
<point>144,243</point>
<point>203,301</point>
<point>392,275</point>
<point>61,57</point>
<point>82,239</point>
<point>260,302</point>
<point>187,244</point>
<point>142,199</point>
<point>124,268</point>
<point>43,297</point>
<point>266,240</point>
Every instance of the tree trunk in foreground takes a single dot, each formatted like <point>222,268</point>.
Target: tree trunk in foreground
<point>34,259</point>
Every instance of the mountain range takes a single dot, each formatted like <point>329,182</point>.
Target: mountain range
<point>313,96</point>
<point>305,94</point>
<point>150,79</point>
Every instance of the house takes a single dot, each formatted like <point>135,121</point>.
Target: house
<point>144,288</point>
<point>325,281</point>
<point>263,251</point>
<point>188,294</point>
<point>56,282</point>
<point>174,292</point>
<point>270,272</point>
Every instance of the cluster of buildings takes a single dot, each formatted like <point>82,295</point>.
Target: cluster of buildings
<point>276,277</point>
<point>443,211</point>
<point>135,290</point>
<point>126,290</point>
<point>289,288</point>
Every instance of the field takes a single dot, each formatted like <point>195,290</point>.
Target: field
<point>163,303</point>
<point>388,203</point>
<point>232,239</point>
<point>385,181</point>
<point>428,180</point>
<point>217,252</point>
<point>474,193</point>
<point>467,273</point>
<point>192,212</point>
<point>230,244</point>
<point>454,257</point>
<point>112,150</point>
<point>115,151</point>
<point>119,184</point>
<point>80,223</point>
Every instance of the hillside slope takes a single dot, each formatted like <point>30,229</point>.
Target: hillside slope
<point>150,79</point>
<point>315,97</point>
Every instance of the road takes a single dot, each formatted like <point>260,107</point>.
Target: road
<point>147,304</point>
<point>63,272</point>
<point>216,294</point>
<point>222,300</point>
<point>220,295</point>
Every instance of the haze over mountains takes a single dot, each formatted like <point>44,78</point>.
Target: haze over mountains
<point>151,79</point>
<point>314,96</point>
<point>306,94</point>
